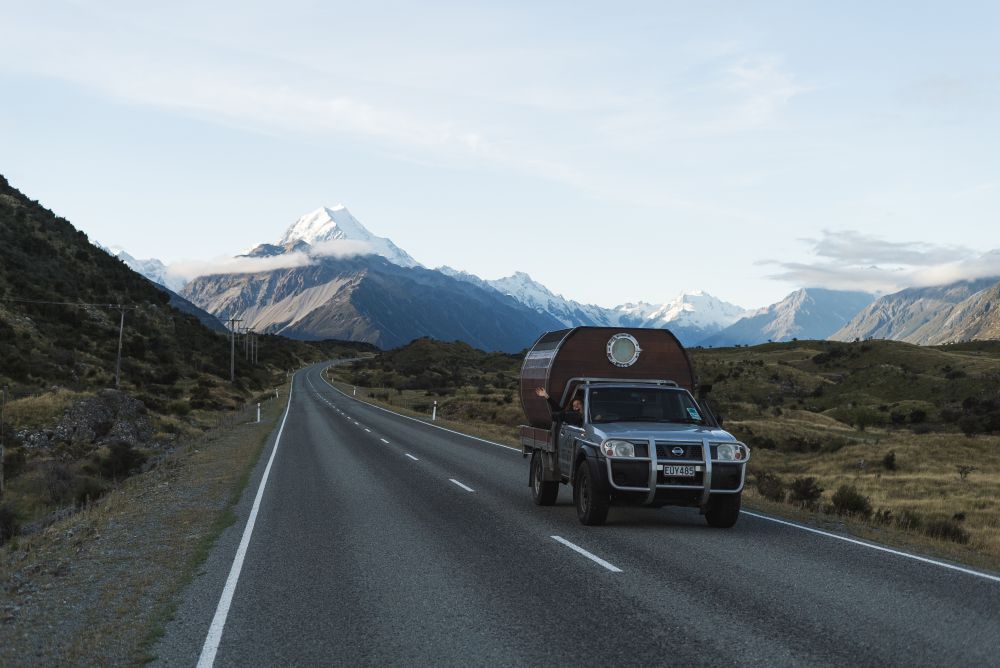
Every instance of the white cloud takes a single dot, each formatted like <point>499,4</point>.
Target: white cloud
<point>336,248</point>
<point>856,261</point>
<point>761,88</point>
<point>854,248</point>
<point>341,248</point>
<point>191,269</point>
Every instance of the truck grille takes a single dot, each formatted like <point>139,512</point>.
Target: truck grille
<point>692,451</point>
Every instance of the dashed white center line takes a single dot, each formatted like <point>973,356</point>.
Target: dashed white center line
<point>368,430</point>
<point>465,487</point>
<point>593,557</point>
<point>384,441</point>
<point>413,458</point>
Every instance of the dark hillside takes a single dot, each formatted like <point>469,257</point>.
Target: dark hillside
<point>56,327</point>
<point>66,436</point>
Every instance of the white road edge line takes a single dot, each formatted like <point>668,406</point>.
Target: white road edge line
<point>593,557</point>
<point>412,457</point>
<point>211,646</point>
<point>450,431</point>
<point>872,546</point>
<point>465,487</point>
<point>384,441</point>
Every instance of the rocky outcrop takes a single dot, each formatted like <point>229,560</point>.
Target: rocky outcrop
<point>109,417</point>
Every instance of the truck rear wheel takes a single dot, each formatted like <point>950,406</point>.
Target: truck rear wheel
<point>543,492</point>
<point>723,510</point>
<point>591,503</point>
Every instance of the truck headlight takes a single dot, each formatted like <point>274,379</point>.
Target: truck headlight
<point>730,452</point>
<point>618,449</point>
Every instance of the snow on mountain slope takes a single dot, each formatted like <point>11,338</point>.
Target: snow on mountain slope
<point>691,316</point>
<point>808,313</point>
<point>151,268</point>
<point>336,224</point>
<point>694,309</point>
<point>521,287</point>
<point>529,292</point>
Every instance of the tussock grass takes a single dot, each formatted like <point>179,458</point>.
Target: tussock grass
<point>42,410</point>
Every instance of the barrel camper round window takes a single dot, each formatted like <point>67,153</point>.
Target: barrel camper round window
<point>623,350</point>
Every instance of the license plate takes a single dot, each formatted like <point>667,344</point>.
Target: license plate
<point>678,471</point>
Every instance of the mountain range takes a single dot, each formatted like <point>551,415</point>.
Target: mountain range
<point>933,315</point>
<point>359,286</point>
<point>812,313</point>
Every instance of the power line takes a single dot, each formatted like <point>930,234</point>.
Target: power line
<point>37,301</point>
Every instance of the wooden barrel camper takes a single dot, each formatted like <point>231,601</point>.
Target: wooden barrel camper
<point>599,352</point>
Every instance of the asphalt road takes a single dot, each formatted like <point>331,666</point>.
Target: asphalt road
<point>384,540</point>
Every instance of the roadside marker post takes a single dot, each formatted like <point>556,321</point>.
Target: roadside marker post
<point>434,412</point>
<point>258,411</point>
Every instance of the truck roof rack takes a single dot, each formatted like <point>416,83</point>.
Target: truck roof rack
<point>572,383</point>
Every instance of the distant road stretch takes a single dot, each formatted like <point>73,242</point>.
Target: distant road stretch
<point>379,539</point>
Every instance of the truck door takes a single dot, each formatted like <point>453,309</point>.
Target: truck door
<point>567,442</point>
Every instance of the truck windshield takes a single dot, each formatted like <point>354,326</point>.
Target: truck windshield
<point>628,404</point>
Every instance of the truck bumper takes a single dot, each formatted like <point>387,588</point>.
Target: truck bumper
<point>649,475</point>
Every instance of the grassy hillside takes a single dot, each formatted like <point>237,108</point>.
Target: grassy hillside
<point>58,348</point>
<point>878,433</point>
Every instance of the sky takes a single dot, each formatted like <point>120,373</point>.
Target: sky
<point>615,152</point>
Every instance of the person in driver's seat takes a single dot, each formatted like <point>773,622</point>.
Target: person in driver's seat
<point>573,414</point>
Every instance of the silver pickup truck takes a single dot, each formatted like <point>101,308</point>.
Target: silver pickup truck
<point>635,441</point>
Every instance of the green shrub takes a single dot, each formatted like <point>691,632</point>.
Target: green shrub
<point>947,530</point>
<point>179,408</point>
<point>770,486</point>
<point>58,481</point>
<point>849,501</point>
<point>87,489</point>
<point>805,491</point>
<point>889,461</point>
<point>14,461</point>
<point>121,461</point>
<point>9,526</point>
<point>970,425</point>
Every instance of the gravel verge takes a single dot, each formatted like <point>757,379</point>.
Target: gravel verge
<point>97,588</point>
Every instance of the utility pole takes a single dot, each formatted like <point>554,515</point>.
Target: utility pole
<point>121,332</point>
<point>233,326</point>
<point>246,343</point>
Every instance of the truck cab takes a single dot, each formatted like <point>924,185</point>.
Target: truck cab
<point>637,442</point>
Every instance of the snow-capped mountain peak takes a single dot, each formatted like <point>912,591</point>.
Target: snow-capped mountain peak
<point>151,268</point>
<point>336,223</point>
<point>691,309</point>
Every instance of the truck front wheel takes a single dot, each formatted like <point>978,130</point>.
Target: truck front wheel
<point>723,510</point>
<point>543,492</point>
<point>591,502</point>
